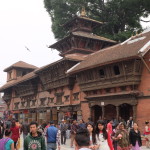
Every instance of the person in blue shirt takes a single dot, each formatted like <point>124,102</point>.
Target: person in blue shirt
<point>53,137</point>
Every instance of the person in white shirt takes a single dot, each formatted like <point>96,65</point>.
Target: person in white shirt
<point>82,139</point>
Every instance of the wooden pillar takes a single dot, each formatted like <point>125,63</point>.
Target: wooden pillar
<point>117,110</point>
<point>103,112</point>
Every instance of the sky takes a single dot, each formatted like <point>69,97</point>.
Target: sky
<point>25,23</point>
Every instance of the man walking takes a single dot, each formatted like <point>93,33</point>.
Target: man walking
<point>53,137</point>
<point>34,141</point>
<point>74,128</point>
<point>63,129</point>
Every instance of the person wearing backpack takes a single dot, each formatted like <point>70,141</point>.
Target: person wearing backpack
<point>7,143</point>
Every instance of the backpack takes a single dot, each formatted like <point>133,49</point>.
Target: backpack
<point>3,141</point>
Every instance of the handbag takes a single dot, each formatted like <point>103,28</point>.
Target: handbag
<point>18,144</point>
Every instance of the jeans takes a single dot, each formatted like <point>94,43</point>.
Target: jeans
<point>51,146</point>
<point>63,137</point>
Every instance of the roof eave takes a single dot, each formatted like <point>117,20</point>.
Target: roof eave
<point>13,84</point>
<point>98,65</point>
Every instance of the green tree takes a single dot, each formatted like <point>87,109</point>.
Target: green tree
<point>121,17</point>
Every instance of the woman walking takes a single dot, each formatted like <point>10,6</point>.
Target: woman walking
<point>113,136</point>
<point>15,130</point>
<point>103,139</point>
<point>91,129</point>
<point>135,137</point>
<point>122,137</point>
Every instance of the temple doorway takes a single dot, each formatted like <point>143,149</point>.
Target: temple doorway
<point>96,113</point>
<point>125,111</point>
<point>110,112</point>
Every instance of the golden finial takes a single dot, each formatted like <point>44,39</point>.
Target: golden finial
<point>83,12</point>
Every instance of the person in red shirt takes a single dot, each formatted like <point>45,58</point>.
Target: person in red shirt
<point>109,127</point>
<point>15,130</point>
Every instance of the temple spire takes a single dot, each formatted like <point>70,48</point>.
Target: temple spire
<point>83,12</point>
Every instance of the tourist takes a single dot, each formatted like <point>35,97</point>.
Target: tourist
<point>44,124</point>
<point>135,137</point>
<point>53,137</point>
<point>109,127</point>
<point>82,139</point>
<point>91,129</point>
<point>147,134</point>
<point>63,129</point>
<point>122,137</point>
<point>68,129</point>
<point>15,130</point>
<point>130,124</point>
<point>113,136</point>
<point>103,139</point>
<point>35,140</point>
<point>74,128</point>
<point>25,129</point>
<point>7,143</point>
<point>82,124</point>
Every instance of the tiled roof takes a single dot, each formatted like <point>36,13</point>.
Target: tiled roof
<point>21,64</point>
<point>56,62</point>
<point>92,36</point>
<point>26,77</point>
<point>84,35</point>
<point>125,50</point>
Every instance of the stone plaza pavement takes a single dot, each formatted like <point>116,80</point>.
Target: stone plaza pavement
<point>67,146</point>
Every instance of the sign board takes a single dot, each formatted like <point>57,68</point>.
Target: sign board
<point>102,103</point>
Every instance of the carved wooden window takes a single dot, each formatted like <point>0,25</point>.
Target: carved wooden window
<point>116,70</point>
<point>22,104</point>
<point>76,96</point>
<point>16,105</point>
<point>137,65</point>
<point>33,102</point>
<point>95,92</point>
<point>89,75</point>
<point>90,45</point>
<point>101,73</point>
<point>43,101</point>
<point>128,67</point>
<point>28,103</point>
<point>66,98</point>
<point>50,100</point>
<point>59,99</point>
<point>108,90</point>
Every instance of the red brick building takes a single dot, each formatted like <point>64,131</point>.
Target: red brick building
<point>95,78</point>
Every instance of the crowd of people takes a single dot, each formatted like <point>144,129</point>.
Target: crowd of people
<point>103,135</point>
